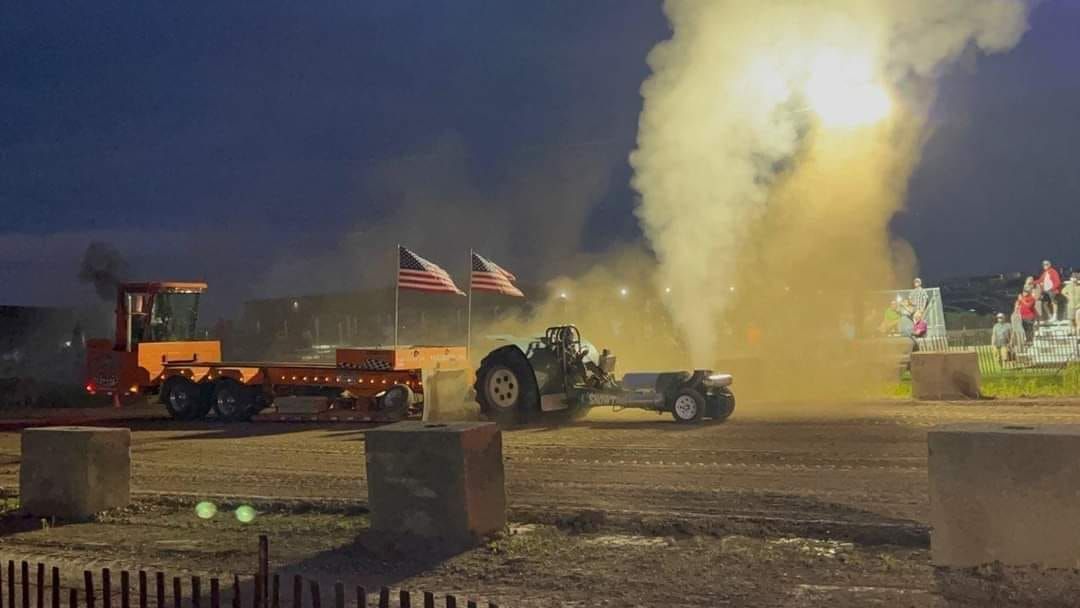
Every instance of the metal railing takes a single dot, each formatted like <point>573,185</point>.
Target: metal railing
<point>1052,347</point>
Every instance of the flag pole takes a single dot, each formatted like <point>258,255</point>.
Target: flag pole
<point>468,313</point>
<point>397,291</point>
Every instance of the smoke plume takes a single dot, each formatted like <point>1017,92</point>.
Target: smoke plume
<point>774,146</point>
<point>103,267</point>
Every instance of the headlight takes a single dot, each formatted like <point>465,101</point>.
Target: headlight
<point>719,380</point>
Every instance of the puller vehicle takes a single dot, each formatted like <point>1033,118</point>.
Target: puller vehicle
<point>559,375</point>
<point>155,352</point>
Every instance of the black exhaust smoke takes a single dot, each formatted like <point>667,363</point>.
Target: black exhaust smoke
<point>104,268</point>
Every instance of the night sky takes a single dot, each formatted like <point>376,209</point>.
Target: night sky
<point>244,143</point>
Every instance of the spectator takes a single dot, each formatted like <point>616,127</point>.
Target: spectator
<point>1040,309</point>
<point>1031,287</point>
<point>1050,282</point>
<point>890,324</point>
<point>919,327</point>
<point>920,298</point>
<point>1017,332</point>
<point>1025,302</point>
<point>1071,291</point>
<point>1002,339</point>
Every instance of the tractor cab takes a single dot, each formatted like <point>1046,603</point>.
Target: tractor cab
<point>155,325</point>
<point>156,312</point>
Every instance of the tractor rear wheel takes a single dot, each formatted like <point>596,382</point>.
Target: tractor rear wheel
<point>183,398</point>
<point>688,406</point>
<point>506,388</point>
<point>233,402</point>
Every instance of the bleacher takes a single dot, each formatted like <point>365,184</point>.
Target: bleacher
<point>1054,343</point>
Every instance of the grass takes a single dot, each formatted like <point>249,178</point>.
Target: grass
<point>1011,384</point>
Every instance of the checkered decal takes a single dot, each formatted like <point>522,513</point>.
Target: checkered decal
<point>370,365</point>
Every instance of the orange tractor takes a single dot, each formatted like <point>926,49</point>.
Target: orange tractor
<point>156,352</point>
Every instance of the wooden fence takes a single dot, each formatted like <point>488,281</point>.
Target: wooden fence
<point>28,588</point>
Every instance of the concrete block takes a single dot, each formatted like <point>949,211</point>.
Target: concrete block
<point>440,482</point>
<point>945,375</point>
<point>1009,494</point>
<point>74,472</point>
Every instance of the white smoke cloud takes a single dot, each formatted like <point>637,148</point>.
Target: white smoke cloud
<point>736,101</point>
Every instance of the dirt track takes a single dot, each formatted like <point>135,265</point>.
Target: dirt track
<point>757,511</point>
<point>865,465</point>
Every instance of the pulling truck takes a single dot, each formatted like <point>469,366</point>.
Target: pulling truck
<point>155,352</point>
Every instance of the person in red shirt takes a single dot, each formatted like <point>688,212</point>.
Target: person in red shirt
<point>1025,305</point>
<point>1050,282</point>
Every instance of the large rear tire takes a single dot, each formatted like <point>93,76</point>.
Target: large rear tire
<point>506,388</point>
<point>183,399</point>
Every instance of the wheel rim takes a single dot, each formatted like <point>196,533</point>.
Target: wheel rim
<point>502,387</point>
<point>228,402</point>
<point>180,398</point>
<point>686,406</point>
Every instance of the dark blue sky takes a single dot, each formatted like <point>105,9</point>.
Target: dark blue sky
<point>239,141</point>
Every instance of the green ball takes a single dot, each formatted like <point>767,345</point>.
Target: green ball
<point>205,510</point>
<point>245,514</point>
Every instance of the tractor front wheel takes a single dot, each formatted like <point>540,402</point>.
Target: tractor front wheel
<point>688,406</point>
<point>506,388</point>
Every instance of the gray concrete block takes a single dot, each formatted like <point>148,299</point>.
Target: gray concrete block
<point>442,482</point>
<point>1009,494</point>
<point>74,472</point>
<point>945,375</point>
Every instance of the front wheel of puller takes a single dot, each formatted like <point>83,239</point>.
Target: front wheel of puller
<point>393,403</point>
<point>688,406</point>
<point>721,406</point>
<point>182,398</point>
<point>233,402</point>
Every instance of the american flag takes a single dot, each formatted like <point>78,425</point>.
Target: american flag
<point>414,272</point>
<point>489,276</point>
